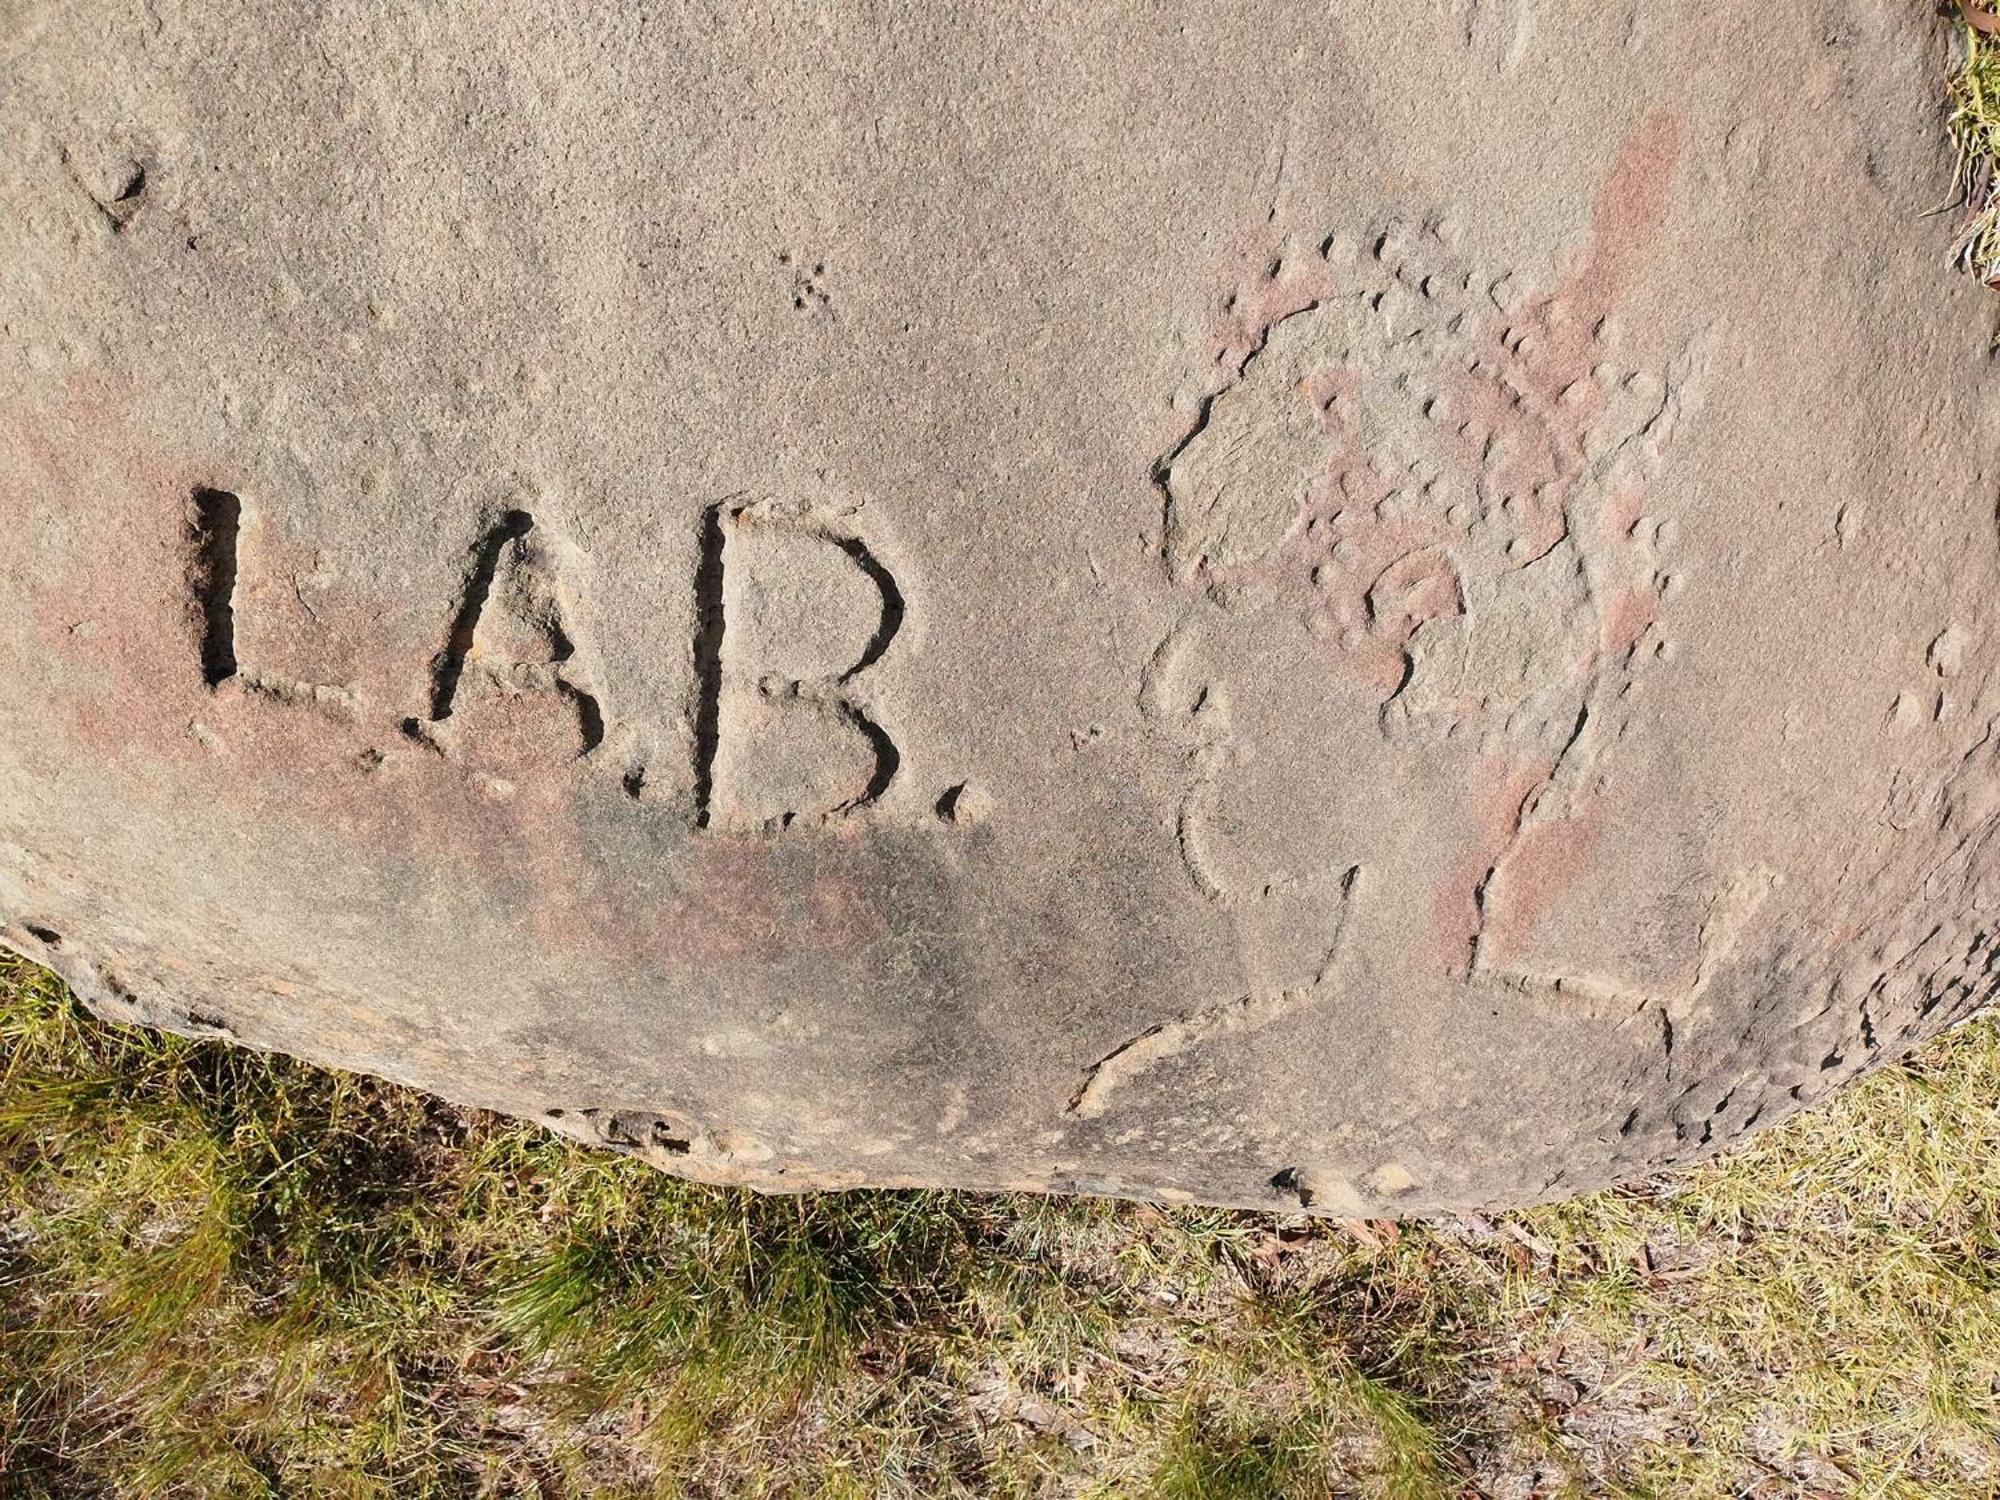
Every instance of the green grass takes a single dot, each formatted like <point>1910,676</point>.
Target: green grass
<point>224,1274</point>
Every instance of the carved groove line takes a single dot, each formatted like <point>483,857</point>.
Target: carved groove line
<point>450,666</point>
<point>892,608</point>
<point>218,520</point>
<point>707,663</point>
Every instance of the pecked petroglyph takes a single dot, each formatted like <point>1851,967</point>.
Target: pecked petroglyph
<point>1453,479</point>
<point>1124,1065</point>
<point>1409,439</point>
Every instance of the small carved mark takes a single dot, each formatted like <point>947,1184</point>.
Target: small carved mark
<point>115,186</point>
<point>809,294</point>
<point>963,804</point>
<point>1288,1182</point>
<point>215,527</point>
<point>627,1130</point>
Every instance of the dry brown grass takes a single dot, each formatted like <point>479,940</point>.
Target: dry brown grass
<point>1975,127</point>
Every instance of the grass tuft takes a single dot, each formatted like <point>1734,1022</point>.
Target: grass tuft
<point>1975,129</point>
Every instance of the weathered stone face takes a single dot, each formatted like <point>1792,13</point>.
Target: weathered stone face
<point>1381,610</point>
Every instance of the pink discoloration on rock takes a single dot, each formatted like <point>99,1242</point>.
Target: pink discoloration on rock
<point>1625,616</point>
<point>1537,870</point>
<point>1620,515</point>
<point>1533,391</point>
<point>1323,388</point>
<point>1628,211</point>
<point>1500,793</point>
<point>1270,288</point>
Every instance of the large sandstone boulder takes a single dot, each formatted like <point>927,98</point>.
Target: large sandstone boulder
<point>1382,607</point>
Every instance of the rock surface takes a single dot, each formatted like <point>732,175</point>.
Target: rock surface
<point>1382,610</point>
